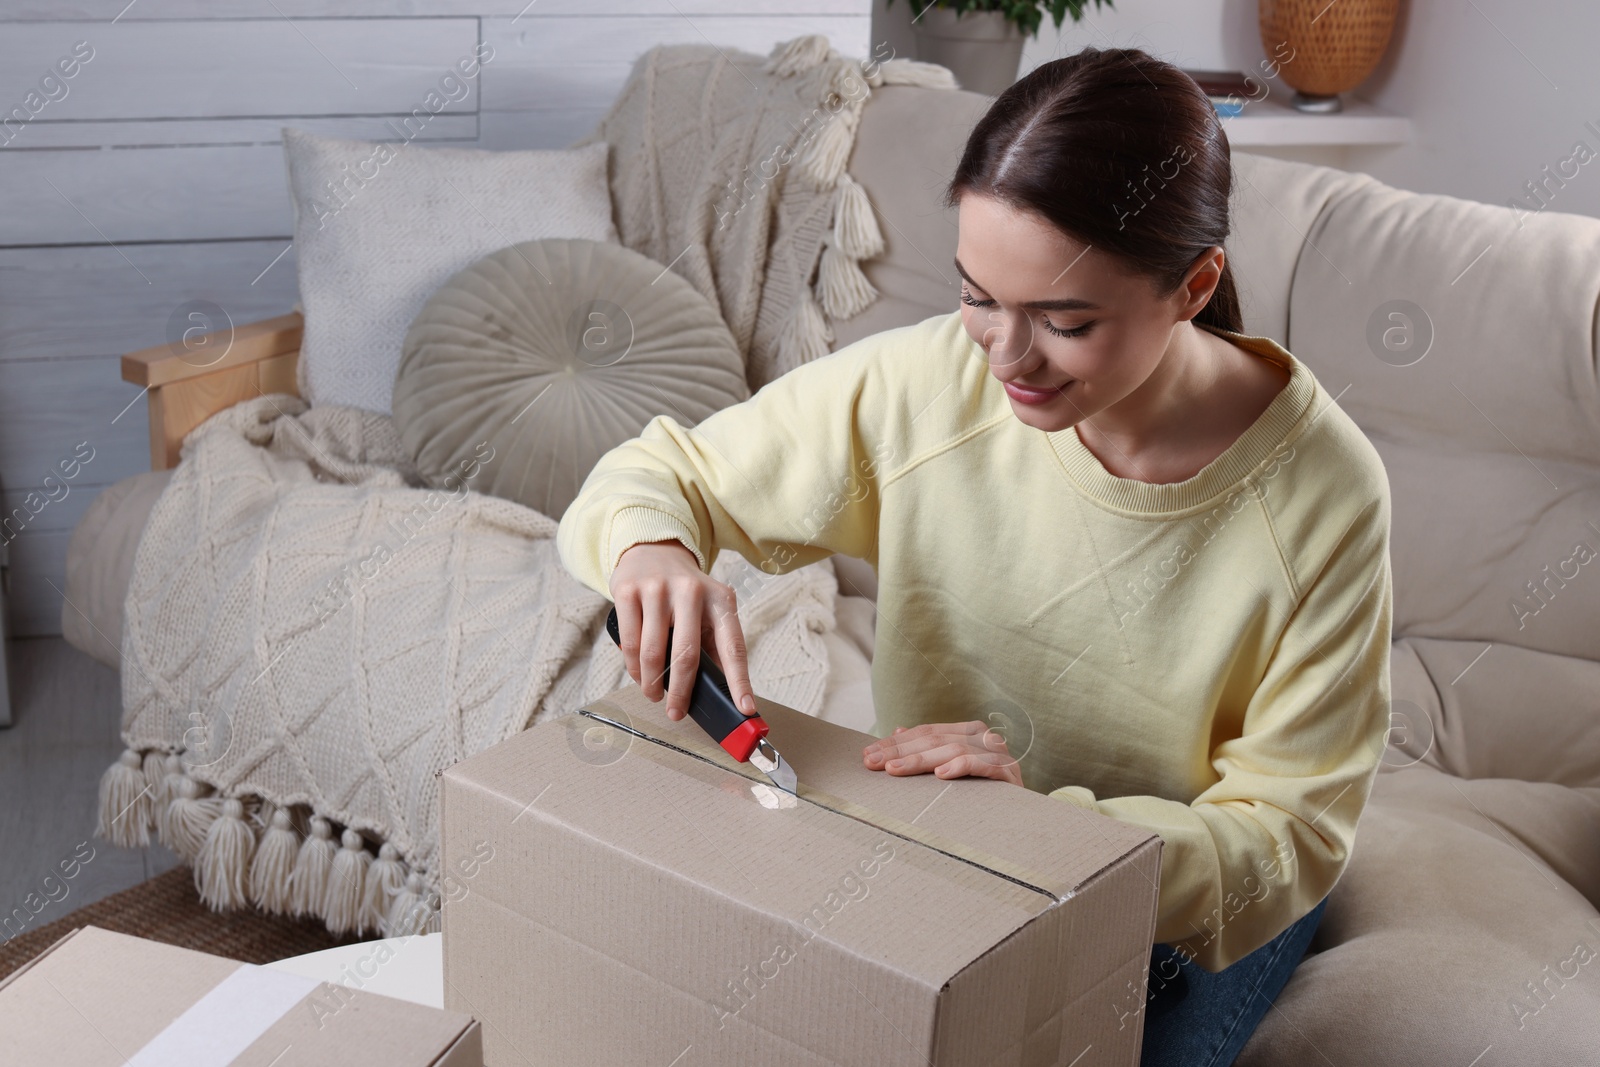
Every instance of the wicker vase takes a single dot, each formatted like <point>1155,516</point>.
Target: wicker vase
<point>1325,49</point>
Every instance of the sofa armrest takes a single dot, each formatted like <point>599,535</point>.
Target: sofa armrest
<point>186,388</point>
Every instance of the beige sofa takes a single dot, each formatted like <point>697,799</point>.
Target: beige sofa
<point>1465,930</point>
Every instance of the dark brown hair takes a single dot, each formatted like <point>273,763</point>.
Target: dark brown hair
<point>1119,150</point>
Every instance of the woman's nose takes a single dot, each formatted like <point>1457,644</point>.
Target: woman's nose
<point>1007,342</point>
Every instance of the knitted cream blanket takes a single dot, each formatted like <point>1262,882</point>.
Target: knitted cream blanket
<point>311,635</point>
<point>730,169</point>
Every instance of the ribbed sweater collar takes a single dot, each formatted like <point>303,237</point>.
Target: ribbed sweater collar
<point>1238,460</point>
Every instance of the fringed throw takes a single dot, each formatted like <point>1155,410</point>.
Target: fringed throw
<point>268,622</point>
<point>763,218</point>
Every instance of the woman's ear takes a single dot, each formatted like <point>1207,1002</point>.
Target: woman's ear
<point>1201,280</point>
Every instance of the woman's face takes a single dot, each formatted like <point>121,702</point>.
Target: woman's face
<point>1099,336</point>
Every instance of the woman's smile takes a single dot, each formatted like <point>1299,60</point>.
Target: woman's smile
<point>1027,395</point>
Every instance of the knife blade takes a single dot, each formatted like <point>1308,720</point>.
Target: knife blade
<point>744,737</point>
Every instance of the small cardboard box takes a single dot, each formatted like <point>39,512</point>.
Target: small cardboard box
<point>102,999</point>
<point>619,890</point>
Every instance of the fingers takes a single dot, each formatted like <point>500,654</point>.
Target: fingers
<point>669,611</point>
<point>732,656</point>
<point>924,729</point>
<point>995,741</point>
<point>686,648</point>
<point>926,759</point>
<point>955,760</point>
<point>948,750</point>
<point>903,743</point>
<point>640,585</point>
<point>629,623</point>
<point>981,765</point>
<point>907,741</point>
<point>653,649</point>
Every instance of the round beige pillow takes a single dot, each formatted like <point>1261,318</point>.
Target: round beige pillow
<point>551,353</point>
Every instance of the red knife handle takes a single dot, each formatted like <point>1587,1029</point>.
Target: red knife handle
<point>711,703</point>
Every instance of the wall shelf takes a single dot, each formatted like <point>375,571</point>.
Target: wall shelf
<point>1271,121</point>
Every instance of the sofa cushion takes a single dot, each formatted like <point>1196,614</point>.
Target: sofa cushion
<point>404,219</point>
<point>1453,930</point>
<point>546,355</point>
<point>1274,203</point>
<point>906,149</point>
<point>1481,710</point>
<point>1461,339</point>
<point>100,564</point>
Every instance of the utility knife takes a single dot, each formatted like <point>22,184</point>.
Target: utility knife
<point>744,737</point>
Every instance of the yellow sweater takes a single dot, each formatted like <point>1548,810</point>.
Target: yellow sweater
<point>1208,659</point>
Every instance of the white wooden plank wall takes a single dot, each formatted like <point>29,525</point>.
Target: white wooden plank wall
<point>154,176</point>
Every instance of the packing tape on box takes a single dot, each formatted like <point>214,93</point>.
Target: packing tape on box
<point>601,711</point>
<point>233,1014</point>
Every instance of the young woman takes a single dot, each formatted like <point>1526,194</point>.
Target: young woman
<point>1150,540</point>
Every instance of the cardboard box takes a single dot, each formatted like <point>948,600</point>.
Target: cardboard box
<point>102,999</point>
<point>629,894</point>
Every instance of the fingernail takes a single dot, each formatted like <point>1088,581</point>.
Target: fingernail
<point>748,703</point>
<point>896,764</point>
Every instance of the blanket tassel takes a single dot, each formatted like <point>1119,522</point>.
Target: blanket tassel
<point>801,53</point>
<point>222,867</point>
<point>842,287</point>
<point>855,226</point>
<point>273,868</point>
<point>341,905</point>
<point>901,71</point>
<point>155,776</point>
<point>189,816</point>
<point>385,878</point>
<point>824,156</point>
<point>171,782</point>
<point>309,882</point>
<point>408,914</point>
<point>235,864</point>
<point>125,803</point>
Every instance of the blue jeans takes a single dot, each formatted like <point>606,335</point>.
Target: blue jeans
<point>1194,1018</point>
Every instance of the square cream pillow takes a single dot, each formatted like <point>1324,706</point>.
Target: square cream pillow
<point>378,227</point>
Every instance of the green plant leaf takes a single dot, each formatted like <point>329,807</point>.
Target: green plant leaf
<point>1026,15</point>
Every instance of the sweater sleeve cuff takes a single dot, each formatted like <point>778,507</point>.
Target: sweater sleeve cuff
<point>1075,794</point>
<point>640,524</point>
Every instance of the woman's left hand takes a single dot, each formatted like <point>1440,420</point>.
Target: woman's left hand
<point>948,749</point>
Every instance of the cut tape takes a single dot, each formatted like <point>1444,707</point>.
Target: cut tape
<point>1000,868</point>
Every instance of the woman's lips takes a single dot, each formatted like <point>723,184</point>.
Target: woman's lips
<point>1034,396</point>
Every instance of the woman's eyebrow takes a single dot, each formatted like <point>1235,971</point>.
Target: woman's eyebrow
<point>1060,304</point>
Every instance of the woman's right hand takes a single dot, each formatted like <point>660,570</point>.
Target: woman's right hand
<point>658,585</point>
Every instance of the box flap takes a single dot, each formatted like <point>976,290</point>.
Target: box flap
<point>130,989</point>
<point>100,997</point>
<point>1009,831</point>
